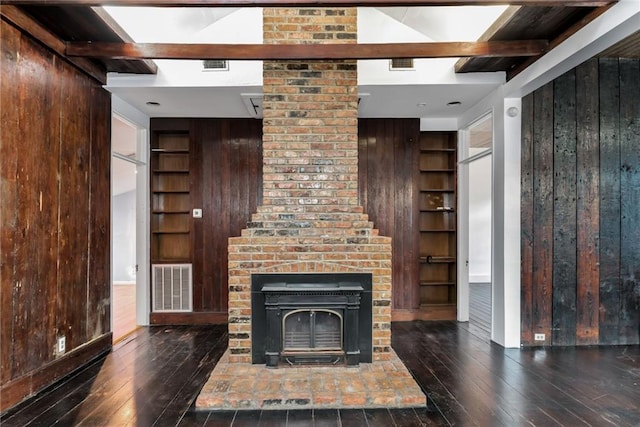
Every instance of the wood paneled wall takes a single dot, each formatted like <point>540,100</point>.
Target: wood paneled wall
<point>55,166</point>
<point>581,207</point>
<point>388,173</point>
<point>226,182</point>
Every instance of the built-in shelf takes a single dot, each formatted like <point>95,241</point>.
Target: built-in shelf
<point>170,198</point>
<point>437,233</point>
<point>437,283</point>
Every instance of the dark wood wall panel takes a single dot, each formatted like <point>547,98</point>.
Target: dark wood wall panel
<point>609,112</point>
<point>587,204</point>
<point>580,281</point>
<point>526,218</point>
<point>9,149</point>
<point>53,119</point>
<point>388,152</point>
<point>564,210</point>
<point>630,200</point>
<point>226,182</point>
<point>99,281</point>
<point>542,286</point>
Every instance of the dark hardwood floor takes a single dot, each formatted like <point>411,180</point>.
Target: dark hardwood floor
<point>479,311</point>
<point>153,376</point>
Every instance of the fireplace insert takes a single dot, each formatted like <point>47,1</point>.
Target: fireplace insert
<point>311,318</point>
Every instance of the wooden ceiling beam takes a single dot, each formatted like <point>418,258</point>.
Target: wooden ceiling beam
<point>521,48</point>
<point>31,27</point>
<point>307,3</point>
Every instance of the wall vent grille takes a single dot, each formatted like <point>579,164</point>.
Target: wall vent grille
<point>172,287</point>
<point>401,64</point>
<point>215,64</point>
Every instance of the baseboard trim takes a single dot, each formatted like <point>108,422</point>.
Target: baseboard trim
<point>20,389</point>
<point>205,318</point>
<point>445,312</point>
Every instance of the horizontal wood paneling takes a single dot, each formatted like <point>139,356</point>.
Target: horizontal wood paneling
<point>55,216</point>
<point>580,282</point>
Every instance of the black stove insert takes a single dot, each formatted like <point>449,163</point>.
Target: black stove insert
<point>311,318</point>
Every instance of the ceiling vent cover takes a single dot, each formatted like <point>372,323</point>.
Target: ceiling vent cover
<point>172,287</point>
<point>401,64</point>
<point>215,64</point>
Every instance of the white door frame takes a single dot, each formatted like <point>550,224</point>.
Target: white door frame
<point>464,159</point>
<point>140,121</point>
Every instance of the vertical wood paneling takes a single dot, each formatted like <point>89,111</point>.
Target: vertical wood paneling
<point>564,210</point>
<point>9,148</point>
<point>387,179</point>
<point>49,209</point>
<point>594,111</point>
<point>587,204</point>
<point>526,217</point>
<point>37,192</point>
<point>199,200</point>
<point>73,240</point>
<point>609,97</point>
<point>543,211</point>
<point>226,182</point>
<point>99,283</point>
<point>630,201</point>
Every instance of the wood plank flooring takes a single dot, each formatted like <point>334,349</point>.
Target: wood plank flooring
<point>123,298</point>
<point>153,376</point>
<point>479,311</point>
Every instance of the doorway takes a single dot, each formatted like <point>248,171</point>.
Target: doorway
<point>476,165</point>
<point>124,247</point>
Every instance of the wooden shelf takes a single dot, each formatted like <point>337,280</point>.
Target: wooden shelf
<point>437,189</point>
<point>438,259</point>
<point>168,212</point>
<point>171,191</point>
<point>170,150</point>
<point>170,233</point>
<point>437,283</point>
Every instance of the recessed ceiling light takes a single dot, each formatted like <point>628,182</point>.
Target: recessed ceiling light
<point>421,104</point>
<point>153,104</point>
<point>453,103</point>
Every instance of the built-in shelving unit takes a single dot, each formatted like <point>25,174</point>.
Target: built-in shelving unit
<point>170,198</point>
<point>437,221</point>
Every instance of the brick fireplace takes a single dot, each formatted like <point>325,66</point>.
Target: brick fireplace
<point>311,233</point>
<point>310,220</point>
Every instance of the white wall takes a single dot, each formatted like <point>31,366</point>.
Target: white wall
<point>480,220</point>
<point>123,250</point>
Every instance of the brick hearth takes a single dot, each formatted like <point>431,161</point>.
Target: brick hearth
<point>370,385</point>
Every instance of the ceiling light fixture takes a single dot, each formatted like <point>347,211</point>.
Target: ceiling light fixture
<point>453,103</point>
<point>421,104</point>
<point>153,104</point>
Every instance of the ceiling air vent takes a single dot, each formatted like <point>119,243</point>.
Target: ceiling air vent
<point>401,64</point>
<point>215,64</point>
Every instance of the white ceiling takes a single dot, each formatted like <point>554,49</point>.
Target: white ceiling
<point>386,94</point>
